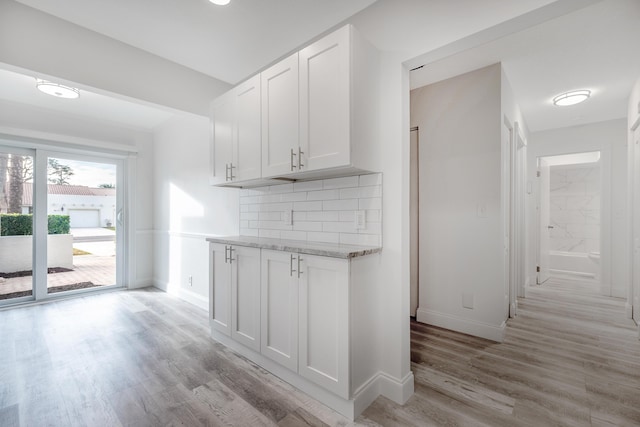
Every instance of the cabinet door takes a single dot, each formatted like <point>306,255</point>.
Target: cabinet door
<point>279,308</point>
<point>325,119</point>
<point>324,322</point>
<point>219,289</point>
<point>247,141</point>
<point>222,124</point>
<point>280,117</point>
<point>245,296</point>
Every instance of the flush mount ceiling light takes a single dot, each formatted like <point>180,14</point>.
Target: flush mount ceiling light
<point>571,98</point>
<point>220,2</point>
<point>57,90</point>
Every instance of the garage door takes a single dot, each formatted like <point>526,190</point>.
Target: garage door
<point>84,218</point>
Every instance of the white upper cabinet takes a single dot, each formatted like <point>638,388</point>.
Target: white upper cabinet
<point>280,117</point>
<point>236,134</point>
<point>317,110</point>
<point>325,102</point>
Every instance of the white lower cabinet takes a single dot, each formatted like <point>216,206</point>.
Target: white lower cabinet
<point>235,294</point>
<point>323,322</point>
<point>295,315</point>
<point>279,315</point>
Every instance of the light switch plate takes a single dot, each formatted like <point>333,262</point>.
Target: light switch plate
<point>287,217</point>
<point>361,221</point>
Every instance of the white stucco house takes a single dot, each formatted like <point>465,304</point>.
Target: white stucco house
<point>87,207</point>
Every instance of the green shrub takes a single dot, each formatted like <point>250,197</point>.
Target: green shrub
<point>59,224</point>
<point>22,224</point>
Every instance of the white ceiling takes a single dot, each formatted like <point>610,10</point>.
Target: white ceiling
<point>226,42</point>
<point>593,48</point>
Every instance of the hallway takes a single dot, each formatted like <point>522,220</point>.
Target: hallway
<point>570,358</point>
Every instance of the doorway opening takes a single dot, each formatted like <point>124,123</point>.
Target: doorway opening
<point>569,218</point>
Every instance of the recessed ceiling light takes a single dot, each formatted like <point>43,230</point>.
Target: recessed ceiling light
<point>572,98</point>
<point>57,90</point>
<point>220,2</point>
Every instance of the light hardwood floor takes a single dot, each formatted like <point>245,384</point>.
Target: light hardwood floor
<point>145,358</point>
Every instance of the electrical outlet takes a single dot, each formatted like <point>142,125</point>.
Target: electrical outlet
<point>287,217</point>
<point>360,220</point>
<point>190,280</point>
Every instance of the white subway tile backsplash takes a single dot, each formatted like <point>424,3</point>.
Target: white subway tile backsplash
<point>307,186</point>
<point>323,237</point>
<point>359,239</point>
<point>323,195</point>
<point>372,203</point>
<point>372,191</point>
<point>269,216</point>
<point>340,205</point>
<point>348,216</point>
<point>307,226</point>
<point>253,232</point>
<point>349,193</point>
<point>323,216</point>
<point>340,227</point>
<point>293,235</point>
<point>271,234</point>
<point>307,206</point>
<point>371,179</point>
<point>323,210</point>
<point>282,188</point>
<point>299,216</point>
<point>348,181</point>
<point>294,197</point>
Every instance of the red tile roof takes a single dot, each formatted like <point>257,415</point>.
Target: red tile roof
<point>70,190</point>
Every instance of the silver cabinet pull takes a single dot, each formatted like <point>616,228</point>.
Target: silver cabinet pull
<point>231,258</point>
<point>231,168</point>
<point>291,270</point>
<point>291,160</point>
<point>300,153</point>
<point>299,270</point>
<point>226,257</point>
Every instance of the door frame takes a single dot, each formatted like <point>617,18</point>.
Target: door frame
<point>89,150</point>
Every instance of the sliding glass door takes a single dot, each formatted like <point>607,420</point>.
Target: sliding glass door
<point>83,208</point>
<point>16,225</point>
<point>61,223</point>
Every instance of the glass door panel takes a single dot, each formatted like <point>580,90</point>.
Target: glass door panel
<point>16,225</point>
<point>82,204</point>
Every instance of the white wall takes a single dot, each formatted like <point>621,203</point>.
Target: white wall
<point>461,245</point>
<point>187,208</point>
<point>610,138</point>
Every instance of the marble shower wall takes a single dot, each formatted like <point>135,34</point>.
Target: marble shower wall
<point>575,208</point>
<point>323,210</point>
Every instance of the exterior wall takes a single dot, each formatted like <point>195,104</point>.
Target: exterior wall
<point>60,204</point>
<point>16,252</point>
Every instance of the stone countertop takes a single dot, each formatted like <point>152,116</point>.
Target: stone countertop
<point>298,246</point>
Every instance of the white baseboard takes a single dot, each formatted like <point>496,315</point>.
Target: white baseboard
<point>618,292</point>
<point>185,295</point>
<point>458,324</point>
